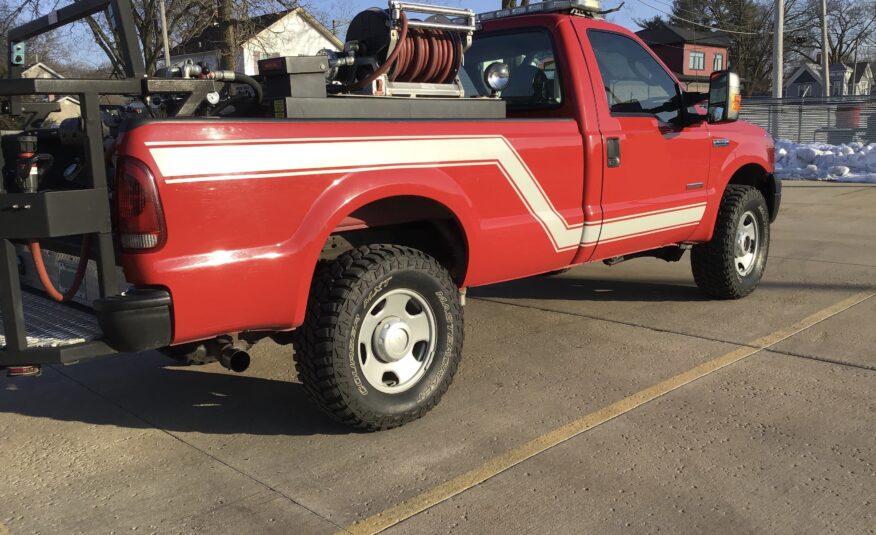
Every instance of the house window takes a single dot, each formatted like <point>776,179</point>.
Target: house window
<point>718,63</point>
<point>804,90</point>
<point>696,61</point>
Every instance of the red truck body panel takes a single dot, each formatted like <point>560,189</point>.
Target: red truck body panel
<point>249,203</point>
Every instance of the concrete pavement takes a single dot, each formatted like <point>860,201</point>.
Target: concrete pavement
<point>783,441</point>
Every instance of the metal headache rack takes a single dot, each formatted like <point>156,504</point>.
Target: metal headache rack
<point>36,330</point>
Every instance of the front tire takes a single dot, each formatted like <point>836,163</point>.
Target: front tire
<point>382,337</point>
<point>731,264</point>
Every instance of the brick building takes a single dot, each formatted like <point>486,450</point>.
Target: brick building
<point>690,54</point>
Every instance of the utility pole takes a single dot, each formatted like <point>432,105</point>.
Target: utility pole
<point>825,50</point>
<point>164,37</point>
<point>778,44</point>
<point>228,50</point>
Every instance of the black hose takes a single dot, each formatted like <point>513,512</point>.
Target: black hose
<point>250,81</point>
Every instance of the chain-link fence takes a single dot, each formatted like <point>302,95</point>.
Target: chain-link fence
<point>832,120</point>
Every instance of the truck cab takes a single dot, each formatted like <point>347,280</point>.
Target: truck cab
<point>648,148</point>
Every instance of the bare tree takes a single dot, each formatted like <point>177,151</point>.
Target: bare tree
<point>185,19</point>
<point>851,30</point>
<point>335,16</point>
<point>508,4</point>
<point>652,23</point>
<point>46,48</point>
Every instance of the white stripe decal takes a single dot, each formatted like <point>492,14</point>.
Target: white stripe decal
<point>626,228</point>
<point>641,214</point>
<point>223,162</point>
<point>186,162</point>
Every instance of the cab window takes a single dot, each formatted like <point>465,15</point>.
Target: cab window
<point>534,82</point>
<point>634,83</point>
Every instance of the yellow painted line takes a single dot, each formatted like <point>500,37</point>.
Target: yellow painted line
<point>497,465</point>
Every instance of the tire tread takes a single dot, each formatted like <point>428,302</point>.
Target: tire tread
<point>316,351</point>
<point>712,262</point>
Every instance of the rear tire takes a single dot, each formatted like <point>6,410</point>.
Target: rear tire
<point>731,264</point>
<point>382,336</point>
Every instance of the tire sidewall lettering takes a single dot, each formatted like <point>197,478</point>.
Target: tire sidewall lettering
<point>377,289</point>
<point>448,349</point>
<point>354,369</point>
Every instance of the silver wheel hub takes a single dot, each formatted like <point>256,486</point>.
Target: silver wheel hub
<point>396,341</point>
<point>392,339</point>
<point>747,244</point>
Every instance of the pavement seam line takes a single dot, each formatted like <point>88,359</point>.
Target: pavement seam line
<point>825,360</point>
<point>196,448</point>
<point>823,261</point>
<point>495,466</point>
<point>615,322</point>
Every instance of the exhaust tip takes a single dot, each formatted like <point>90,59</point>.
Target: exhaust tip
<point>235,359</point>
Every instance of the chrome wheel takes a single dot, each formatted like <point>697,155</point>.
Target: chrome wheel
<point>397,341</point>
<point>747,244</point>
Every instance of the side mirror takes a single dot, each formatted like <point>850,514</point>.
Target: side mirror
<point>724,97</point>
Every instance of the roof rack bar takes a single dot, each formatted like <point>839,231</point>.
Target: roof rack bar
<point>432,9</point>
<point>56,19</point>
<point>123,16</point>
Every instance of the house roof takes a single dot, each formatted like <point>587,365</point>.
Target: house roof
<point>211,38</point>
<point>858,70</point>
<point>28,71</point>
<point>670,34</point>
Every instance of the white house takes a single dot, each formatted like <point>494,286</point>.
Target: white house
<point>289,33</point>
<point>68,104</point>
<point>845,79</point>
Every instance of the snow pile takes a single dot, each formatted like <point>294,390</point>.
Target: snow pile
<point>854,162</point>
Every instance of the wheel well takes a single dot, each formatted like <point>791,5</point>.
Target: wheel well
<point>412,221</point>
<point>756,176</point>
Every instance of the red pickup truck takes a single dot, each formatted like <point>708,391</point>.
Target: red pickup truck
<point>345,202</point>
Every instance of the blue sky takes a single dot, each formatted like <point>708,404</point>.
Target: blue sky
<point>632,8</point>
<point>88,52</point>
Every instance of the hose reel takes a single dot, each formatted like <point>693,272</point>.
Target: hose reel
<point>389,53</point>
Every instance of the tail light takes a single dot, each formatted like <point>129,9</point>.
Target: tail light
<point>138,209</point>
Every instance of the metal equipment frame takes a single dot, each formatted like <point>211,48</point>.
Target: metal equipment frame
<point>52,214</point>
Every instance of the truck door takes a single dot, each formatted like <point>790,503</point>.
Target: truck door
<point>655,170</point>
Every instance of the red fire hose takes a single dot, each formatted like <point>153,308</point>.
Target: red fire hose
<point>37,254</point>
<point>421,56</point>
<point>389,60</point>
